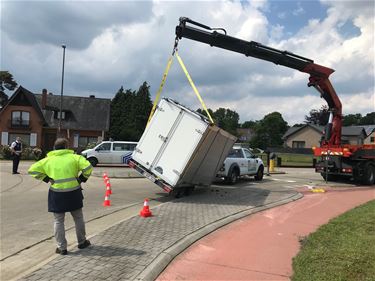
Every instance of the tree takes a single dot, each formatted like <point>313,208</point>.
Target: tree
<point>121,126</point>
<point>203,112</point>
<point>226,119</point>
<point>369,119</point>
<point>318,117</point>
<point>269,131</point>
<point>351,119</point>
<point>248,124</point>
<point>129,113</point>
<point>141,109</point>
<point>6,82</point>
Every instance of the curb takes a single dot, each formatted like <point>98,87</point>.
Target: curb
<point>153,270</point>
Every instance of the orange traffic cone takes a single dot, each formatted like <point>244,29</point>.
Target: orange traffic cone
<point>108,190</point>
<point>107,184</point>
<point>107,201</point>
<point>145,212</point>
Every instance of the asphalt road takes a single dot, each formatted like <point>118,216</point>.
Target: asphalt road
<point>27,228</point>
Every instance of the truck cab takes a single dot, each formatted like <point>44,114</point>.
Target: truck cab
<point>240,162</point>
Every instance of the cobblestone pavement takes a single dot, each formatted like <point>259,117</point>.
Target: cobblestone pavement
<point>140,248</point>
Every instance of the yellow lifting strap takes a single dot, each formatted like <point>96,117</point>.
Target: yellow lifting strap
<point>193,86</point>
<point>160,88</point>
<point>163,82</point>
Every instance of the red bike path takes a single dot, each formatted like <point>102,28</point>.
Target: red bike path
<point>261,246</point>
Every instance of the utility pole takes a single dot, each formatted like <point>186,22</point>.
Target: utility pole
<point>62,90</point>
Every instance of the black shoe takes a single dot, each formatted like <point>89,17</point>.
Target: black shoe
<point>15,173</point>
<point>84,244</point>
<point>61,252</point>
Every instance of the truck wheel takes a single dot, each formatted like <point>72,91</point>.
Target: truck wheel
<point>368,177</point>
<point>93,161</point>
<point>259,174</point>
<point>232,177</point>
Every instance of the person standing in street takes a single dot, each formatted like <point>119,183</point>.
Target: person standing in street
<point>16,148</point>
<point>65,171</point>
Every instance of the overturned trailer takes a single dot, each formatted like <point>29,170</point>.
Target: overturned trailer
<point>180,148</point>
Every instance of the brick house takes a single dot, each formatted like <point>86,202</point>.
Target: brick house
<point>35,118</point>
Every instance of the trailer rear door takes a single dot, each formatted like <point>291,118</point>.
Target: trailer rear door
<point>156,133</point>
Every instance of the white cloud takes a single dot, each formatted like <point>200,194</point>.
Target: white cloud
<point>282,15</point>
<point>113,49</point>
<point>277,32</point>
<point>299,10</point>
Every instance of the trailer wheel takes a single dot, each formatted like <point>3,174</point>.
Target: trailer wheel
<point>368,177</point>
<point>233,176</point>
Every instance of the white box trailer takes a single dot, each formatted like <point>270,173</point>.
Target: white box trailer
<point>180,148</point>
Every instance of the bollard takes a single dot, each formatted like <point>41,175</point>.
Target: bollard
<point>272,165</point>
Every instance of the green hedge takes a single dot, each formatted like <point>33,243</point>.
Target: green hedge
<point>28,153</point>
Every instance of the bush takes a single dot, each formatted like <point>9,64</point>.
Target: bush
<point>90,145</point>
<point>28,153</point>
<point>5,152</point>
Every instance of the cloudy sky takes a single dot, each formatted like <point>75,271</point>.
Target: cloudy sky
<point>124,43</point>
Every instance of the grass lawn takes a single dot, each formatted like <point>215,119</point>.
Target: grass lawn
<point>292,159</point>
<point>342,250</point>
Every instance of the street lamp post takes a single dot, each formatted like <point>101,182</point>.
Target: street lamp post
<point>62,90</point>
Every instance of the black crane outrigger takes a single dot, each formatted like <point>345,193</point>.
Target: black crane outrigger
<point>318,74</point>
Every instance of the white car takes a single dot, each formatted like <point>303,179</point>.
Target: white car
<point>239,162</point>
<point>110,152</point>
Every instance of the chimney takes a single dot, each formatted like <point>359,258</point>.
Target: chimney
<point>44,98</point>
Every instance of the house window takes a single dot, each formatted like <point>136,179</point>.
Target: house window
<point>84,141</point>
<point>25,138</point>
<point>57,115</point>
<point>372,139</point>
<point>20,118</point>
<point>298,144</point>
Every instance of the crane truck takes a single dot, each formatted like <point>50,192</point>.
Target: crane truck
<point>337,161</point>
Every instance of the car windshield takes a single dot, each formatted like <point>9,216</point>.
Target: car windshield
<point>235,153</point>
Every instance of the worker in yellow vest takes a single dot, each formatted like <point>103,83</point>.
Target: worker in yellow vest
<point>65,171</point>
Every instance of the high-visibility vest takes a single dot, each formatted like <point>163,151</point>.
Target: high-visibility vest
<point>63,167</point>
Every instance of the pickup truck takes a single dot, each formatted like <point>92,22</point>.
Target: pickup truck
<point>239,162</point>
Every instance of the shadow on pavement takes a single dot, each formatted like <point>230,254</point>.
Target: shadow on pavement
<point>107,251</point>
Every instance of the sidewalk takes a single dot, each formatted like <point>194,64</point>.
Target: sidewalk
<point>261,246</point>
<point>140,248</point>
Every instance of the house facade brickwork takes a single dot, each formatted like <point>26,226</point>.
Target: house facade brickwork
<point>35,118</point>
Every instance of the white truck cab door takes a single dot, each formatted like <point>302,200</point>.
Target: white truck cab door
<point>241,160</point>
<point>251,163</point>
